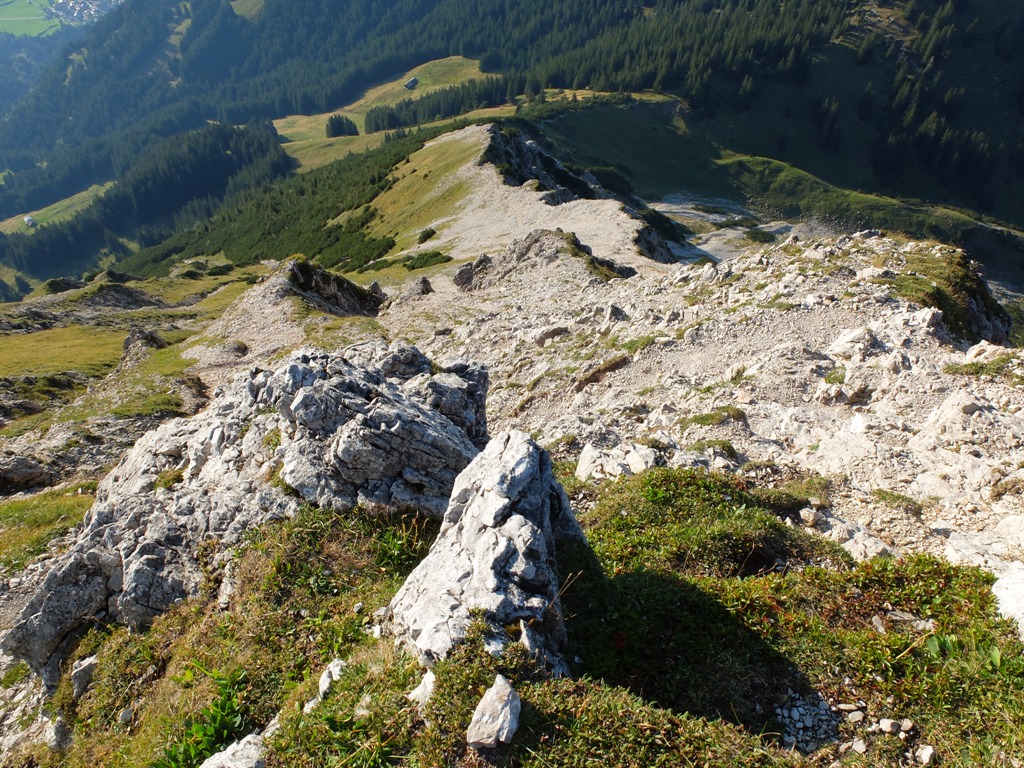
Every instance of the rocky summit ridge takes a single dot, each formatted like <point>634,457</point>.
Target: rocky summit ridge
<point>812,356</point>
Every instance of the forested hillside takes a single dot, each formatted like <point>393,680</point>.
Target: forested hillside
<point>24,59</point>
<point>178,182</point>
<point>917,99</point>
<point>156,68</point>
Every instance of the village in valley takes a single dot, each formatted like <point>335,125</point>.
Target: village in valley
<point>78,11</point>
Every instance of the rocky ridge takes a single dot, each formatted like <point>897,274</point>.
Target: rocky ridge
<point>798,357</point>
<point>333,431</point>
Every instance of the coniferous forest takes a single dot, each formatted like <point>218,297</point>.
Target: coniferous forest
<point>156,69</point>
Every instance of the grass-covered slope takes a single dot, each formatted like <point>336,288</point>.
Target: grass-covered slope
<point>697,614</point>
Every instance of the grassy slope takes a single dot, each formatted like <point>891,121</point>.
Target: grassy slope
<point>678,659</point>
<point>20,17</point>
<point>673,154</point>
<point>89,350</point>
<point>432,76</point>
<point>249,9</point>
<point>94,350</point>
<point>59,211</point>
<point>304,135</point>
<point>28,524</point>
<point>426,191</point>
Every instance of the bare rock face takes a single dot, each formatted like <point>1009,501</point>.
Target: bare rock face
<point>495,553</point>
<point>19,473</point>
<point>321,430</point>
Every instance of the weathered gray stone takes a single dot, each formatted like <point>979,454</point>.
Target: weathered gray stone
<point>495,553</point>
<point>864,546</point>
<point>319,430</point>
<point>247,753</point>
<point>81,675</point>
<point>626,459</point>
<point>19,473</point>
<point>496,718</point>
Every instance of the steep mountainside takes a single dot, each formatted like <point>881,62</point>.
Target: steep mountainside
<point>778,520</point>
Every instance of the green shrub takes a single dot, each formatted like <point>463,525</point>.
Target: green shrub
<point>714,418</point>
<point>722,445</point>
<point>426,259</point>
<point>219,724</point>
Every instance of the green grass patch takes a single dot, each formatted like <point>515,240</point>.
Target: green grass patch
<point>759,236</point>
<point>714,418</point>
<point>21,17</point>
<point>152,404</point>
<point>424,191</point>
<point>1001,367</point>
<point>169,478</point>
<point>426,259</point>
<point>663,614</point>
<point>948,281</point>
<point>719,445</point>
<point>639,344</point>
<point>199,668</point>
<point>836,376</point>
<point>92,351</point>
<point>16,674</point>
<point>28,525</point>
<point>59,211</point>
<point>897,501</point>
<point>249,9</point>
<point>432,76</point>
<point>694,615</point>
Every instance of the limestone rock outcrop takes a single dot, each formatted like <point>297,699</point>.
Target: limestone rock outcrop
<point>496,554</point>
<point>328,430</point>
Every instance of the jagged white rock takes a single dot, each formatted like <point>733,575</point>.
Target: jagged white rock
<point>495,553</point>
<point>321,430</point>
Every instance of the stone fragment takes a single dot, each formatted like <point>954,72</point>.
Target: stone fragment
<point>329,675</point>
<point>860,746</point>
<point>864,546</point>
<point>627,459</point>
<point>20,473</point>
<point>81,675</point>
<point>496,718</point>
<point>57,735</point>
<point>421,693</point>
<point>886,725</point>
<point>810,517</point>
<point>856,716</point>
<point>925,754</point>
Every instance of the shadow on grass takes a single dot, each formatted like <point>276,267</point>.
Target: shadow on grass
<point>665,639</point>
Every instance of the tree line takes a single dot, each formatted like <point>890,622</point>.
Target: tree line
<point>178,182</point>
